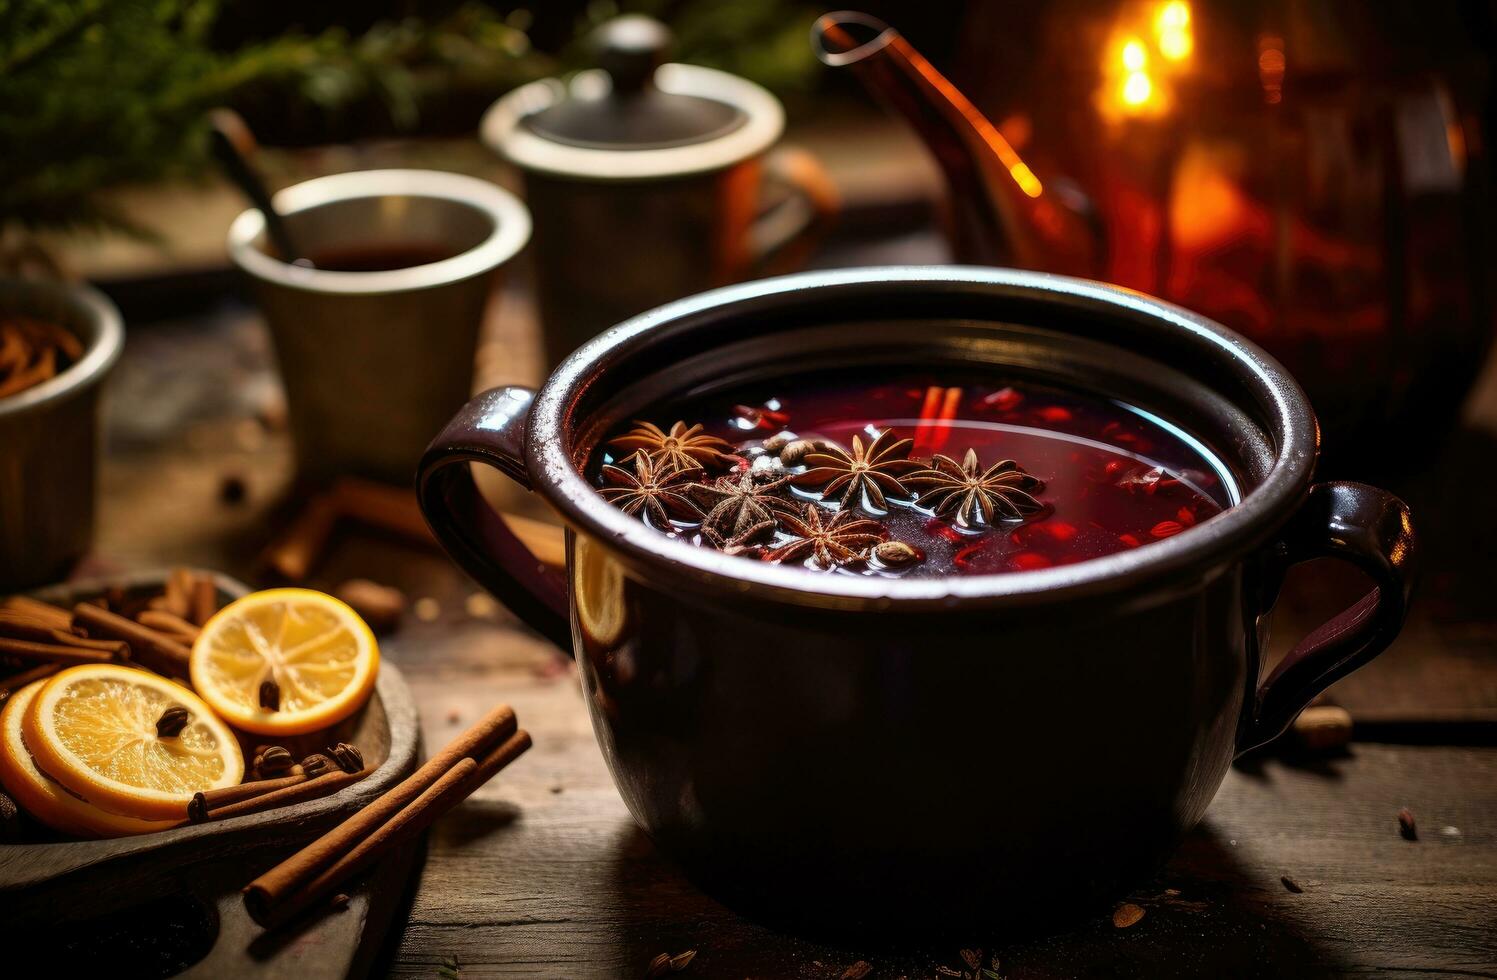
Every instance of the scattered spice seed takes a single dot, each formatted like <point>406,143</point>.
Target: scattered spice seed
<point>172,721</point>
<point>481,605</point>
<point>1407,829</point>
<point>1291,884</point>
<point>897,554</point>
<point>858,970</point>
<point>318,764</point>
<point>681,961</point>
<point>775,443</point>
<point>427,609</point>
<point>348,757</point>
<point>270,695</point>
<point>1323,728</point>
<point>794,452</point>
<point>1126,915</point>
<point>274,761</point>
<point>1450,831</point>
<point>381,606</point>
<point>659,966</point>
<point>450,962</point>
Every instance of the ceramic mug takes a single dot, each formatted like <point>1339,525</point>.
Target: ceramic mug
<point>373,361</point>
<point>850,751</point>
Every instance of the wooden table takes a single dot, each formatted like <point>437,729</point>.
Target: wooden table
<point>543,874</point>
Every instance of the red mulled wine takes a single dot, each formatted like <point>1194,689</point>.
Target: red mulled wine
<point>898,472</point>
<point>381,257</point>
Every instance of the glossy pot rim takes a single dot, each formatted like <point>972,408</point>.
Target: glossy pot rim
<point>508,217</point>
<point>1289,422</point>
<point>105,340</point>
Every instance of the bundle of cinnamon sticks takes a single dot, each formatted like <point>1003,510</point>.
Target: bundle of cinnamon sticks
<point>314,873</point>
<point>155,631</point>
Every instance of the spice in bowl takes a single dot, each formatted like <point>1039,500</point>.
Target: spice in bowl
<point>33,351</point>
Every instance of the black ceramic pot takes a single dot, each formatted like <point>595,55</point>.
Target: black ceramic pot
<point>842,750</point>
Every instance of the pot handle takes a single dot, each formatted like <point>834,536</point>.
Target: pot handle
<point>1371,529</point>
<point>491,429</point>
<point>782,237</point>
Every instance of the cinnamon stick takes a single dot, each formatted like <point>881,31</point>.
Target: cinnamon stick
<point>16,681</point>
<point>159,652</point>
<point>450,789</point>
<point>378,505</point>
<point>204,599</point>
<point>272,887</point>
<point>203,804</point>
<point>51,653</point>
<point>169,623</point>
<point>19,627</point>
<point>178,594</point>
<point>53,616</point>
<point>118,649</point>
<point>307,789</point>
<point>295,552</point>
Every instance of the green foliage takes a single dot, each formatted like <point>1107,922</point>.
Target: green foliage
<point>96,93</point>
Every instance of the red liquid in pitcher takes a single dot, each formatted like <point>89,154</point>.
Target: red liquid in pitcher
<point>916,473</point>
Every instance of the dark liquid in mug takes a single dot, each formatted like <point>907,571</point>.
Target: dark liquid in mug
<point>380,258</point>
<point>1113,477</point>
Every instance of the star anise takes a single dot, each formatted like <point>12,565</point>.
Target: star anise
<point>659,494</point>
<point>741,508</point>
<point>840,540</point>
<point>863,476</point>
<point>974,494</point>
<point>681,448</point>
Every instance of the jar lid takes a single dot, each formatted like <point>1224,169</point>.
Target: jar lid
<point>633,117</point>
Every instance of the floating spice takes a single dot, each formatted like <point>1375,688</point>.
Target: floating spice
<point>974,495</point>
<point>840,540</point>
<point>648,490</point>
<point>863,476</point>
<point>682,448</point>
<point>742,509</point>
<point>1036,479</point>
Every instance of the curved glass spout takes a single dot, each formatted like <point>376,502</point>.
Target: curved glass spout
<point>1001,213</point>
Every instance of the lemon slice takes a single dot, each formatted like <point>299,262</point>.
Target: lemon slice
<point>320,654</point>
<point>93,729</point>
<point>45,798</point>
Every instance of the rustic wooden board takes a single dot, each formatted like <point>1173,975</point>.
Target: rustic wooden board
<point>187,880</point>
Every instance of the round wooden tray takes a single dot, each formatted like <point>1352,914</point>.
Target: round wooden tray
<point>50,880</point>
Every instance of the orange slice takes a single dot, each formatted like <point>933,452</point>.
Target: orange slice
<point>93,729</point>
<point>322,657</point>
<point>45,798</point>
